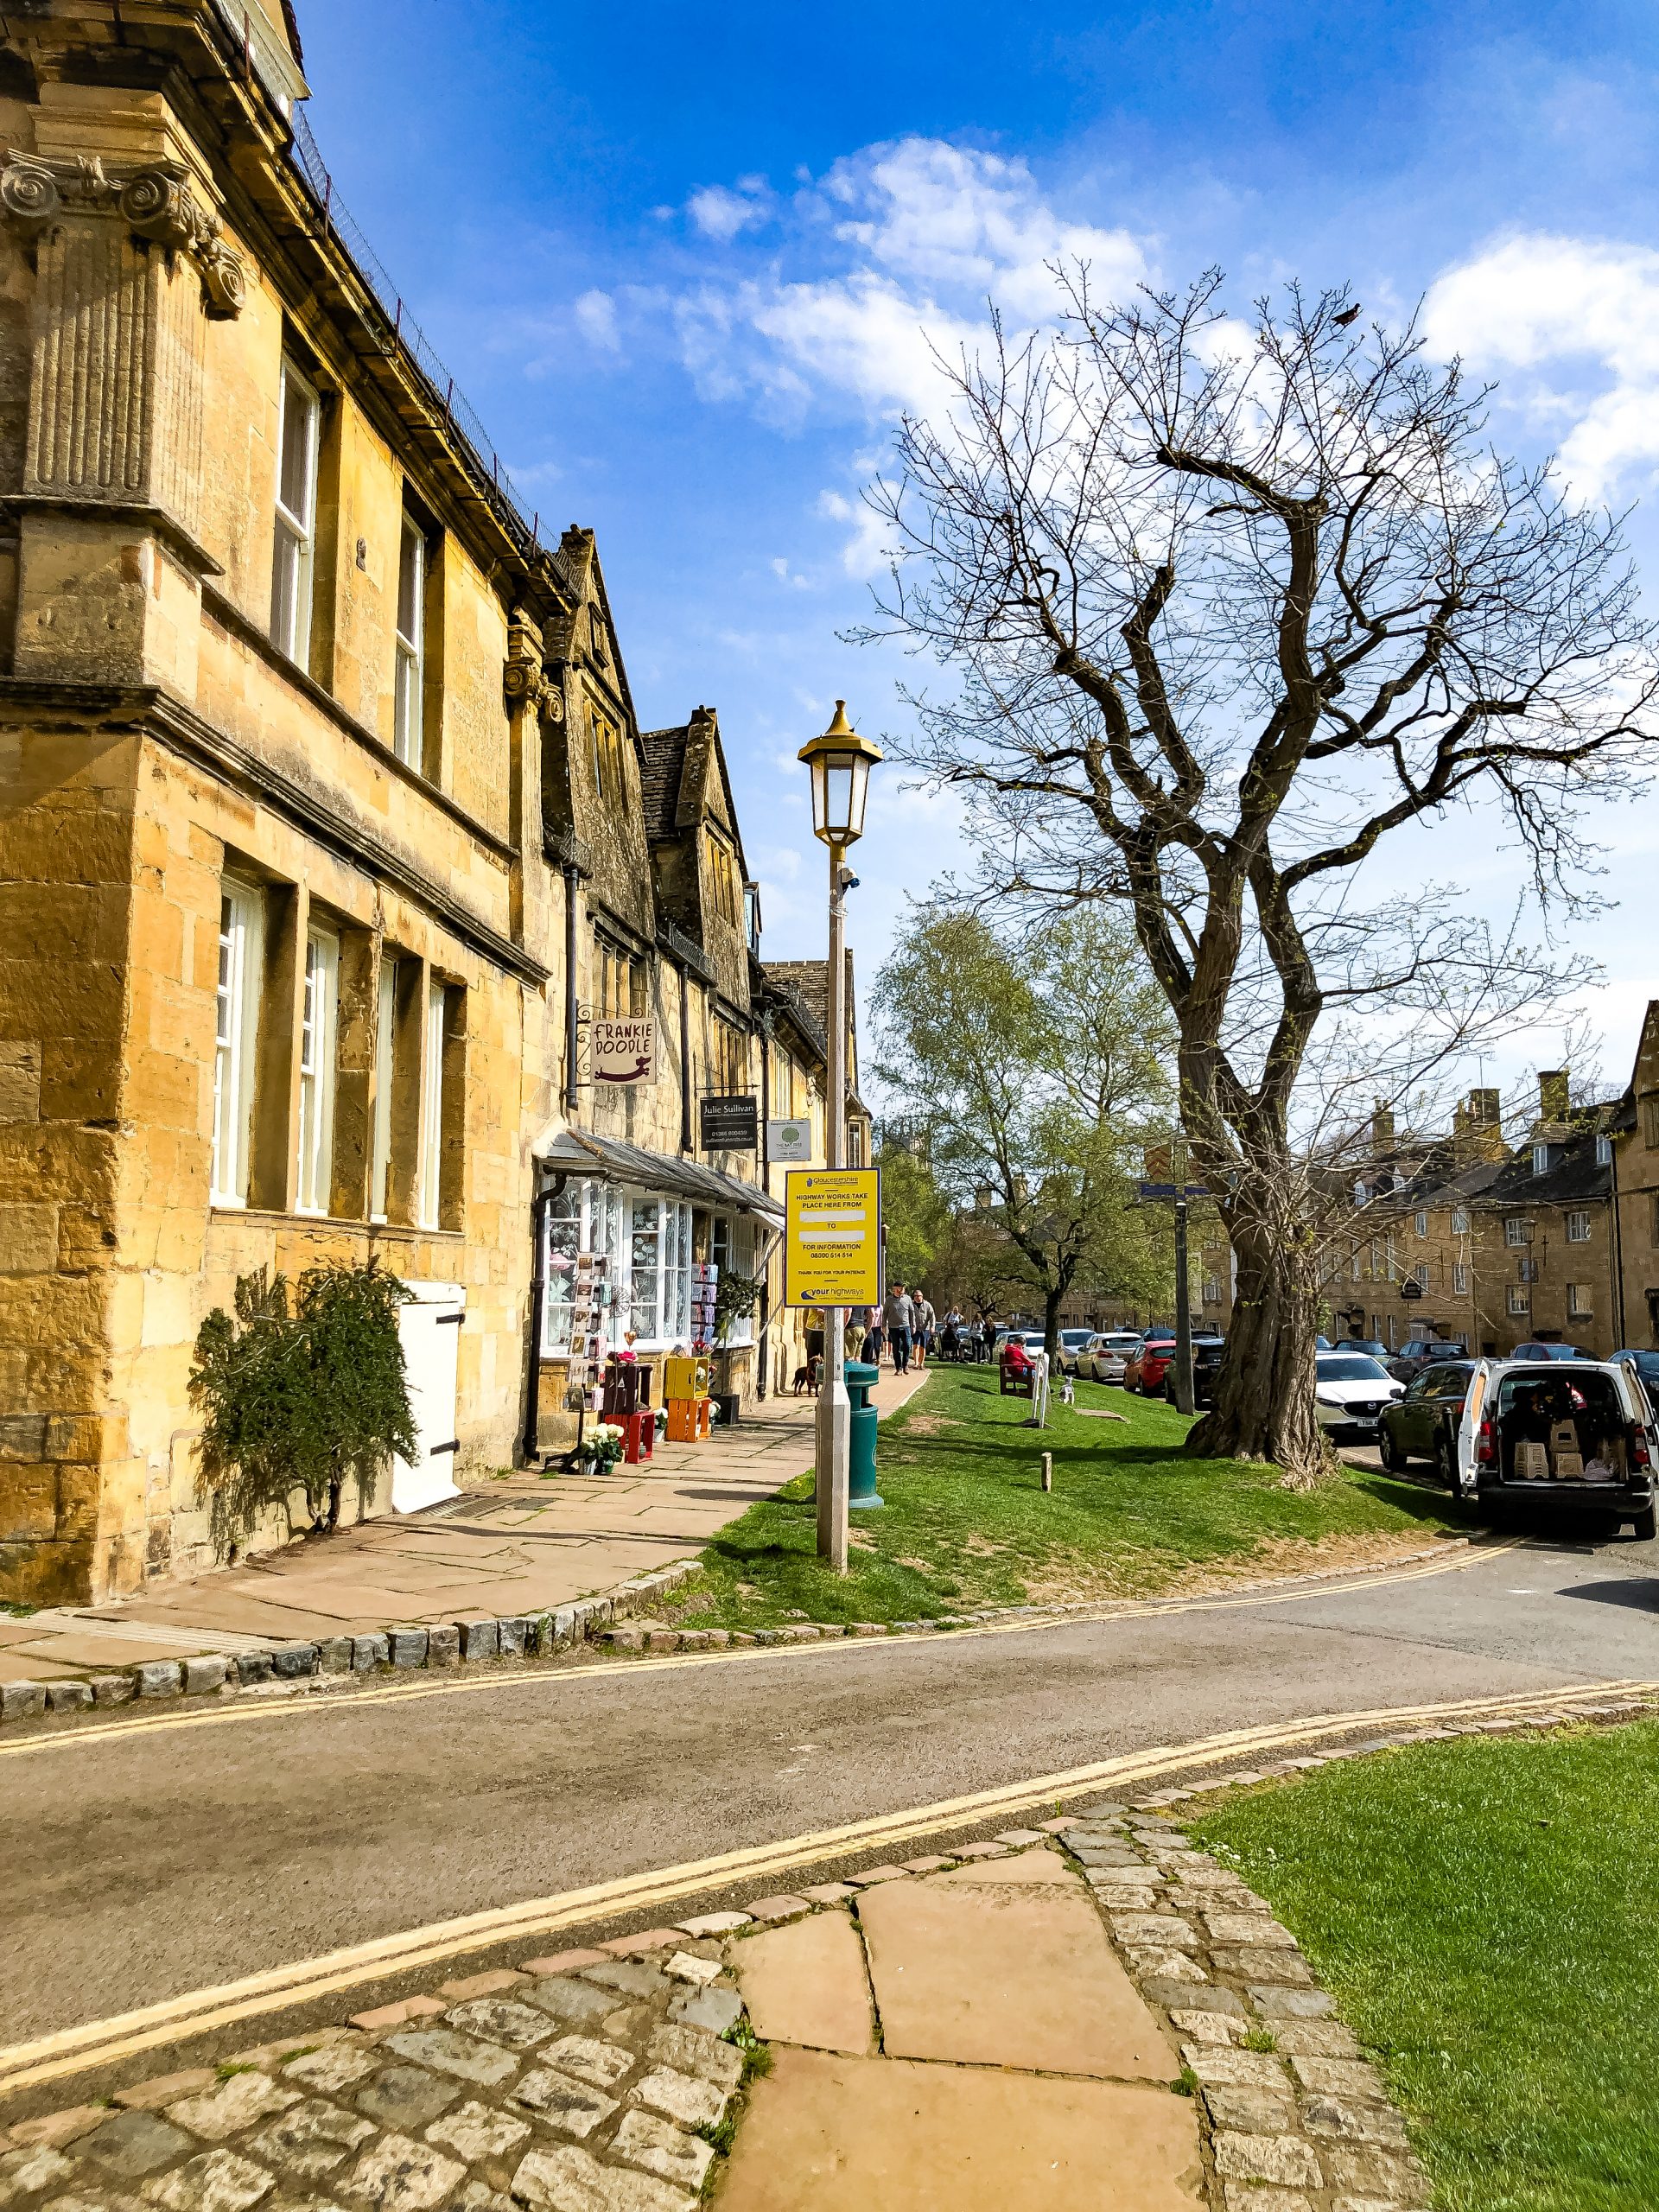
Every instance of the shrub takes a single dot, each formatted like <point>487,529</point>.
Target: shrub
<point>304,1393</point>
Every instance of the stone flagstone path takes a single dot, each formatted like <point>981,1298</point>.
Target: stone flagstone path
<point>522,1545</point>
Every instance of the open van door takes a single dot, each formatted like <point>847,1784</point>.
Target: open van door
<point>1466,1462</point>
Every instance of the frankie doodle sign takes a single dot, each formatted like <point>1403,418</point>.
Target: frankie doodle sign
<point>624,1049</point>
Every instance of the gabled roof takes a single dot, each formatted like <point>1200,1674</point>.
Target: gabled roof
<point>1574,1177</point>
<point>581,561</point>
<point>673,774</point>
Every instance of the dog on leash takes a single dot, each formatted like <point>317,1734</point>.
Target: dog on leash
<point>807,1378</point>
<point>1067,1394</point>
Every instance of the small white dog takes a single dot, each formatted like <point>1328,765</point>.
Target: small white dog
<point>1067,1394</point>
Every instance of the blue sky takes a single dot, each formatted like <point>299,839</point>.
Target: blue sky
<point>681,261</point>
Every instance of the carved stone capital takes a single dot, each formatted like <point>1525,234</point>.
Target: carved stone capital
<point>153,199</point>
<point>523,679</point>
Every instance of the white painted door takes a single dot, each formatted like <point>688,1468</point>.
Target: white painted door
<point>430,1327</point>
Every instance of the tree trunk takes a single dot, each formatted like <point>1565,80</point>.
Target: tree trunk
<point>1263,1406</point>
<point>332,1522</point>
<point>1052,1328</point>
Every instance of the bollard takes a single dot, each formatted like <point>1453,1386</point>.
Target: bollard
<point>1048,1471</point>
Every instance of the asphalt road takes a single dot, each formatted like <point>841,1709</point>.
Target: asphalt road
<point>144,1865</point>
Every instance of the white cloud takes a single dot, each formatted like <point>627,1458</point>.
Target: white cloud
<point>1572,325</point>
<point>722,213</point>
<point>596,313</point>
<point>865,551</point>
<point>892,261</point>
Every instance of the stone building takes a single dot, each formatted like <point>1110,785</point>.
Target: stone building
<point>1634,1145</point>
<point>327,826</point>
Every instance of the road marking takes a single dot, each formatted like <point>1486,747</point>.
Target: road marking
<point>311,1703</point>
<point>98,2042</point>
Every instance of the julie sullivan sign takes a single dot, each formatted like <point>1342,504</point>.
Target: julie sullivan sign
<point>624,1048</point>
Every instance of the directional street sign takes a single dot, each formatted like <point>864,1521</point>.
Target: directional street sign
<point>832,1236</point>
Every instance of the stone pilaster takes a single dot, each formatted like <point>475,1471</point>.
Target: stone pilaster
<point>129,269</point>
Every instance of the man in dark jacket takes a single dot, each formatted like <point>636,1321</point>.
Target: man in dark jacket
<point>899,1315</point>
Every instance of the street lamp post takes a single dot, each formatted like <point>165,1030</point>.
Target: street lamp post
<point>840,762</point>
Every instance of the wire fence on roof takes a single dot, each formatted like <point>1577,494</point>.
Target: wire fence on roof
<point>483,459</point>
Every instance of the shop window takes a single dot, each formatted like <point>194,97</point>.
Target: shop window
<point>731,1248</point>
<point>645,1241</point>
<point>319,1017</point>
<point>241,967</point>
<point>293,559</point>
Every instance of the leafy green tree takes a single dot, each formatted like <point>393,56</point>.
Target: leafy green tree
<point>1038,1068</point>
<point>301,1394</point>
<point>916,1212</point>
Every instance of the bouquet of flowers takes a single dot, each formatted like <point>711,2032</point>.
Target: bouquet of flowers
<point>600,1448</point>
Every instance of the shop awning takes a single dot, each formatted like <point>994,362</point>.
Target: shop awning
<point>580,1152</point>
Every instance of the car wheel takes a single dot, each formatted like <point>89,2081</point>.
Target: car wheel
<point>1445,1465</point>
<point>1394,1459</point>
<point>1645,1527</point>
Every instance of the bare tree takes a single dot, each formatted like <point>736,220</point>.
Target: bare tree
<point>1226,605</point>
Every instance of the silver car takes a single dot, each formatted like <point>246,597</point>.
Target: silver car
<point>1103,1357</point>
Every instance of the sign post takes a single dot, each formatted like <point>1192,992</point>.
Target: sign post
<point>1178,1193</point>
<point>832,1259</point>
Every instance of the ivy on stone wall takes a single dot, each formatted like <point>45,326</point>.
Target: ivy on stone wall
<point>301,1393</point>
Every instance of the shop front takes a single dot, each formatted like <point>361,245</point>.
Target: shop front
<point>632,1248</point>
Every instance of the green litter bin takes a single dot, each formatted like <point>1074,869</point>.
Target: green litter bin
<point>861,1453</point>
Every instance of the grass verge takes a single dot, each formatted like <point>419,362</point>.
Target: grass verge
<point>1483,1912</point>
<point>966,1524</point>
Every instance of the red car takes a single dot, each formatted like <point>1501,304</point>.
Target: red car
<point>1147,1368</point>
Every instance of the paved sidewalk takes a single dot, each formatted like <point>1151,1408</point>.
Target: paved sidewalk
<point>1090,2016</point>
<point>523,1544</point>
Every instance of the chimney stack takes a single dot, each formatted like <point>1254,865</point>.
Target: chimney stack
<point>1382,1130</point>
<point>1553,1090</point>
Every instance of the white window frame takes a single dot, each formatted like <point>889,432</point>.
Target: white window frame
<point>1604,1152</point>
<point>431,1179</point>
<point>386,1029</point>
<point>601,1217</point>
<point>293,552</point>
<point>731,1247</point>
<point>1580,1304</point>
<point>1518,1231</point>
<point>1459,1221</point>
<point>1540,1159</point>
<point>1459,1281</point>
<point>1578,1225</point>
<point>1420,1273</point>
<point>1520,1301</point>
<point>1421,1223</point>
<point>241,963</point>
<point>408,700</point>
<point>319,1032</point>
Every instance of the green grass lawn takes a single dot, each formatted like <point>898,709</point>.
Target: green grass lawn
<point>966,1523</point>
<point>1483,1912</point>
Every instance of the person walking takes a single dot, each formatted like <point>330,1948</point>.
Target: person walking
<point>899,1315</point>
<point>924,1320</point>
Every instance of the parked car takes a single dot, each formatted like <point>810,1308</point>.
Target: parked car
<point>1072,1344</point>
<point>1646,1365</point>
<point>1144,1368</point>
<point>1349,1391</point>
<point>1322,1344</point>
<point>1423,1422</point>
<point>1550,1351</point>
<point>1103,1358</point>
<point>1614,1432</point>
<point>1206,1365</point>
<point>1422,1352</point>
<point>1369,1345</point>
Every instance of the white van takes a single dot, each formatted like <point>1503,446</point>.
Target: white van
<point>1576,1435</point>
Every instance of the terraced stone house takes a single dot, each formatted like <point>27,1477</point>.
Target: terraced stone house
<point>327,829</point>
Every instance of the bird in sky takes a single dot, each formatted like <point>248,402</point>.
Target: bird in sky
<point>1347,316</point>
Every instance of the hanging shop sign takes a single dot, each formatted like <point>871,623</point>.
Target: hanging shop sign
<point>788,1144</point>
<point>729,1124</point>
<point>832,1236</point>
<point>624,1048</point>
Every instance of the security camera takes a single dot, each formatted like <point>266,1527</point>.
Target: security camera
<point>848,880</point>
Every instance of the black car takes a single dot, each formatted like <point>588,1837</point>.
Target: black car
<point>1206,1365</point>
<point>1423,1424</point>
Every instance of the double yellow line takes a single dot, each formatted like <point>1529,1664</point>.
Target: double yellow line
<point>102,2042</point>
<point>308,1704</point>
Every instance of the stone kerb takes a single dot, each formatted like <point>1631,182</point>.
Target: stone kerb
<point>612,2077</point>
